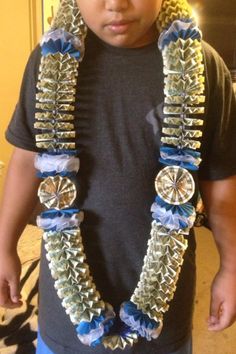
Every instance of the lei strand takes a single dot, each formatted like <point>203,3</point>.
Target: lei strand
<point>173,213</point>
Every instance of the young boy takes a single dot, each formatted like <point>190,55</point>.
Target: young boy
<point>119,119</point>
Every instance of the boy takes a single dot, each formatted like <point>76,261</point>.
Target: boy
<point>120,85</point>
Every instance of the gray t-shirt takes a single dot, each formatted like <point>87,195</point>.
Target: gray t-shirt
<point>119,113</point>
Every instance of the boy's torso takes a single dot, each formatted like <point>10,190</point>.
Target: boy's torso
<point>120,97</point>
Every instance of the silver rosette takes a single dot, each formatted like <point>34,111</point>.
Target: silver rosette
<point>175,185</point>
<point>57,192</point>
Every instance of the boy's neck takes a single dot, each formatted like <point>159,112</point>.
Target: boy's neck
<point>93,37</point>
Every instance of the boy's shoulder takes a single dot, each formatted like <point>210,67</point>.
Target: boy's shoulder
<point>33,63</point>
<point>215,66</point>
<point>35,55</point>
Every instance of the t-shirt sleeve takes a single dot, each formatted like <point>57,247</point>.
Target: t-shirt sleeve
<point>219,134</point>
<point>20,131</point>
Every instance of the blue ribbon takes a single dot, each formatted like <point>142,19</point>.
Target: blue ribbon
<point>185,209</point>
<point>181,152</point>
<point>84,328</point>
<point>184,34</point>
<point>55,173</point>
<point>167,222</point>
<point>95,343</point>
<point>61,46</point>
<point>62,151</point>
<point>182,160</point>
<point>131,309</point>
<point>187,165</point>
<point>53,213</point>
<point>179,29</point>
<point>106,327</point>
<point>54,229</point>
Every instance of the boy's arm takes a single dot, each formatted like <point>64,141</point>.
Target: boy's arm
<point>219,198</point>
<point>19,199</point>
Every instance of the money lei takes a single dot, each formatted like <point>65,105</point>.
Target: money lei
<point>173,213</point>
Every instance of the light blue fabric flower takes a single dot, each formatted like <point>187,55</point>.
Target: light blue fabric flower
<point>55,41</point>
<point>138,321</point>
<point>91,333</point>
<point>169,220</point>
<point>185,158</point>
<point>173,217</point>
<point>60,220</point>
<point>179,29</point>
<point>53,47</point>
<point>63,165</point>
<point>185,209</point>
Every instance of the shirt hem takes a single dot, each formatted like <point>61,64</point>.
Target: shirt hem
<point>60,349</point>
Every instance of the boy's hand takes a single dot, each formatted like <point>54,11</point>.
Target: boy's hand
<point>10,269</point>
<point>223,301</point>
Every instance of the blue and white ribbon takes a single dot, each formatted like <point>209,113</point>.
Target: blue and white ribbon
<point>179,29</point>
<point>90,333</point>
<point>58,40</point>
<point>58,164</point>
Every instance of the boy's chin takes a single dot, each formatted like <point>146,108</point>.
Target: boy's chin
<point>123,41</point>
